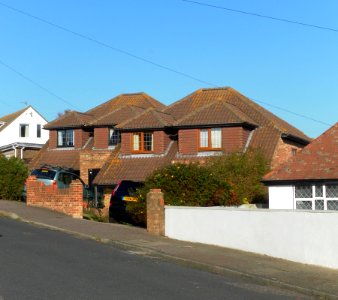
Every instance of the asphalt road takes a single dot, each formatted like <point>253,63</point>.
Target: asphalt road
<point>39,263</point>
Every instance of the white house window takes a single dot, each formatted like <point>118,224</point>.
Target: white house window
<point>316,197</point>
<point>65,138</point>
<point>114,137</point>
<point>210,139</point>
<point>38,130</point>
<point>24,130</point>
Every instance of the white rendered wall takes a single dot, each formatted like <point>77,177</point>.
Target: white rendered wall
<point>11,134</point>
<point>281,197</point>
<point>302,236</point>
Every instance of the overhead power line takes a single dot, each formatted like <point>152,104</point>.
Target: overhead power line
<point>36,84</point>
<point>261,16</point>
<point>149,61</point>
<point>107,45</point>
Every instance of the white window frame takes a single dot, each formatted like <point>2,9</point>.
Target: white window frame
<point>314,198</point>
<point>26,134</point>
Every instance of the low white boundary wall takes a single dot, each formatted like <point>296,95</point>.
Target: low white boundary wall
<point>300,236</point>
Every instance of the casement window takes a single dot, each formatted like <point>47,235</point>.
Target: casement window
<point>316,197</point>
<point>114,137</point>
<point>210,138</point>
<point>65,138</point>
<point>142,142</point>
<point>24,130</point>
<point>38,130</point>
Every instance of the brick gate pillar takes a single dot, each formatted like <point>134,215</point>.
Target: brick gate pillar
<point>155,212</point>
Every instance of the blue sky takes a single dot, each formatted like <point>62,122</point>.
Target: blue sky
<point>276,64</point>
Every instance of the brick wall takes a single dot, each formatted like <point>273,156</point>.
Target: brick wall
<point>155,212</point>
<point>52,139</point>
<point>188,141</point>
<point>161,142</point>
<point>67,201</point>
<point>233,138</point>
<point>101,138</point>
<point>92,159</point>
<point>126,142</point>
<point>283,152</point>
<point>80,138</point>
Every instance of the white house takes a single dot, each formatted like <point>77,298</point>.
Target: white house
<point>22,133</point>
<point>309,180</point>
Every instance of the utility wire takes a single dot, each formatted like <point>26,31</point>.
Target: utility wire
<point>261,16</point>
<point>107,45</point>
<point>291,112</point>
<point>36,84</point>
<point>149,61</point>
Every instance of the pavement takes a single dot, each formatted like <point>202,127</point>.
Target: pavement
<point>322,283</point>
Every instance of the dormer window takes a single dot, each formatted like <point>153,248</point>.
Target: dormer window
<point>210,139</point>
<point>65,138</point>
<point>24,130</point>
<point>142,142</point>
<point>114,137</point>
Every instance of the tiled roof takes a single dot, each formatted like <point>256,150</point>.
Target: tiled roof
<point>132,168</point>
<point>119,115</point>
<point>217,112</point>
<point>250,109</point>
<point>70,119</point>
<point>141,100</point>
<point>62,158</point>
<point>150,119</point>
<point>317,161</point>
<point>8,119</point>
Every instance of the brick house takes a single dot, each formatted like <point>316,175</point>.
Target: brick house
<point>309,180</point>
<point>205,123</point>
<point>84,141</point>
<point>22,134</point>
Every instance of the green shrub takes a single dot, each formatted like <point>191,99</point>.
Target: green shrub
<point>13,174</point>
<point>243,172</point>
<point>184,184</point>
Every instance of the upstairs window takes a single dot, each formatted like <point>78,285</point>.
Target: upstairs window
<point>114,137</point>
<point>143,142</point>
<point>65,138</point>
<point>210,139</point>
<point>38,130</point>
<point>24,129</point>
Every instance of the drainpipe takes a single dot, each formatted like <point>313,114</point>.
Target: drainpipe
<point>14,147</point>
<point>21,154</point>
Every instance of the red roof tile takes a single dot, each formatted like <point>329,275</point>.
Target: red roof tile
<point>150,119</point>
<point>70,119</point>
<point>56,157</point>
<point>218,112</point>
<point>141,100</point>
<point>119,115</point>
<point>135,168</point>
<point>317,161</point>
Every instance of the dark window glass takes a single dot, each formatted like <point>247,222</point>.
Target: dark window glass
<point>38,130</point>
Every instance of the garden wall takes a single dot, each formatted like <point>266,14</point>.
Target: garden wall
<point>68,201</point>
<point>309,237</point>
